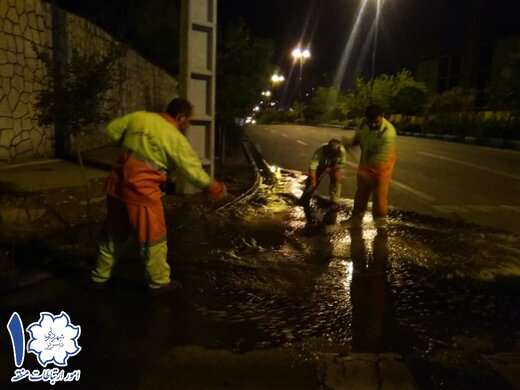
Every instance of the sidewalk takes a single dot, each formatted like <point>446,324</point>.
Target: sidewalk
<point>49,192</point>
<point>43,176</point>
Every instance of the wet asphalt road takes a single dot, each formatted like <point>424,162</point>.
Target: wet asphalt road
<point>456,181</point>
<point>257,277</point>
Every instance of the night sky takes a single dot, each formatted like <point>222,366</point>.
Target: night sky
<point>411,30</point>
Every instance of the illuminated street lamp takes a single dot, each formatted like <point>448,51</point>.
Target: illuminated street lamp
<point>277,79</point>
<point>301,55</point>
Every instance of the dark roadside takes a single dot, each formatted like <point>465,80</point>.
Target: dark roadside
<point>268,303</point>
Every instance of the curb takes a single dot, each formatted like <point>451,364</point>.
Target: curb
<point>330,125</point>
<point>252,191</point>
<point>498,143</point>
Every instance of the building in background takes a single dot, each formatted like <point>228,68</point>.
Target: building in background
<point>477,46</point>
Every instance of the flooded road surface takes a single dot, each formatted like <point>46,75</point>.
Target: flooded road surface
<point>257,277</point>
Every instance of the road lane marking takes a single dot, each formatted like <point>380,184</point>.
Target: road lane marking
<point>417,193</point>
<point>302,143</point>
<point>510,208</point>
<point>489,170</point>
<point>482,208</point>
<point>404,187</point>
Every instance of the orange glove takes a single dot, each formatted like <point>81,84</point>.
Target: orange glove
<point>217,190</point>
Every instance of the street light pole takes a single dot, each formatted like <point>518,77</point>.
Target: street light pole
<point>301,55</point>
<point>300,82</point>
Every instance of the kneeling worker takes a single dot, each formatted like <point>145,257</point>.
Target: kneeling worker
<point>330,158</point>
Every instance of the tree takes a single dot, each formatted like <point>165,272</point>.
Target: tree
<point>327,103</point>
<point>297,111</point>
<point>505,90</point>
<point>390,92</point>
<point>358,99</point>
<point>243,70</point>
<point>410,101</point>
<point>77,98</point>
<point>456,100</point>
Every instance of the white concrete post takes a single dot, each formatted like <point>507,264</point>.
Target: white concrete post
<point>197,76</point>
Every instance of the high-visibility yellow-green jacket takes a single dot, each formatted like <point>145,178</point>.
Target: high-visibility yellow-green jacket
<point>155,140</point>
<point>320,158</point>
<point>377,146</point>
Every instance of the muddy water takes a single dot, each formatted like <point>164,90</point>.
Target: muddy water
<point>357,287</point>
<point>258,276</point>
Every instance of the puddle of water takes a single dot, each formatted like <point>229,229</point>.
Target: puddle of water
<point>256,277</point>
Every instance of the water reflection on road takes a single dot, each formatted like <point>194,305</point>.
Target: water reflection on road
<point>258,277</point>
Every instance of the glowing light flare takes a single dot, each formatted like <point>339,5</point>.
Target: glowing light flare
<point>350,272</point>
<point>301,54</point>
<point>340,74</point>
<point>276,78</point>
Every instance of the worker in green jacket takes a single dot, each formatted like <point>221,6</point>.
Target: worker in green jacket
<point>331,159</point>
<point>152,146</point>
<point>377,139</point>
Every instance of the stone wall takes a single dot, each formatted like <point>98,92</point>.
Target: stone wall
<point>143,85</point>
<point>24,23</point>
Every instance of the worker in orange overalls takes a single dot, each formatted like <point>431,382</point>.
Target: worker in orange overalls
<point>331,159</point>
<point>153,144</point>
<point>377,139</point>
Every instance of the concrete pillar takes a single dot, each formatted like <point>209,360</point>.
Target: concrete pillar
<point>197,75</point>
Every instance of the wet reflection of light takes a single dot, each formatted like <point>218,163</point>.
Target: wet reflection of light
<point>346,240</point>
<point>276,171</point>
<point>369,234</point>
<point>349,272</point>
<point>295,188</point>
<point>340,243</point>
<point>297,219</point>
<point>298,213</point>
